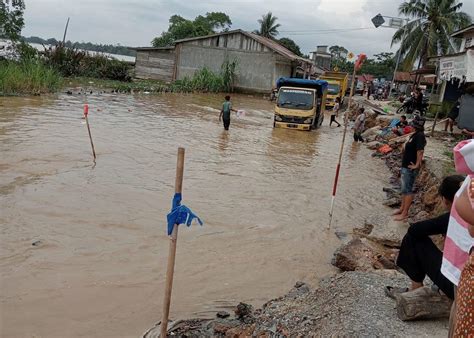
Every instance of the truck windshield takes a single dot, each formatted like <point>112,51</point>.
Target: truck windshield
<point>295,98</point>
<point>333,89</point>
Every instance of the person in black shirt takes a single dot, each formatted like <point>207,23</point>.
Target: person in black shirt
<point>418,100</point>
<point>411,163</point>
<point>419,256</point>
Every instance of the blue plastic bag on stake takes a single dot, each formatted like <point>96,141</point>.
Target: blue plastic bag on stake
<point>180,214</point>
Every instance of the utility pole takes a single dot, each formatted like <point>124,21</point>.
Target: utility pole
<point>65,31</point>
<point>394,22</point>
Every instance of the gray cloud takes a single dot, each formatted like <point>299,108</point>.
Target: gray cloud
<point>136,23</point>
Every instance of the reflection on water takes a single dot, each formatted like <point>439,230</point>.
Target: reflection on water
<point>99,267</point>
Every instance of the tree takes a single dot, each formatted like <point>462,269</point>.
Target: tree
<point>290,45</point>
<point>382,66</point>
<point>181,28</point>
<point>338,54</point>
<point>11,19</point>
<point>428,34</point>
<point>268,26</point>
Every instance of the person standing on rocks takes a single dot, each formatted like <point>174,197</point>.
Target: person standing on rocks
<point>419,256</point>
<point>411,164</point>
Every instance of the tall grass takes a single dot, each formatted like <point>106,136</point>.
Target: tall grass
<point>205,80</point>
<point>28,77</point>
<point>228,70</point>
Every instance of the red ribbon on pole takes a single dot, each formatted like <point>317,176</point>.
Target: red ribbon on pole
<point>360,60</point>
<point>86,109</point>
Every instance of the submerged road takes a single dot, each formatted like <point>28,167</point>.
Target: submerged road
<point>98,262</point>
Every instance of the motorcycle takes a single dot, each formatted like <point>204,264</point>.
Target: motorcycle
<point>379,94</point>
<point>409,106</point>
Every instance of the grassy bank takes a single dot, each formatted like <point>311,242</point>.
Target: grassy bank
<point>44,72</point>
<point>136,86</point>
<point>28,77</point>
<point>203,81</point>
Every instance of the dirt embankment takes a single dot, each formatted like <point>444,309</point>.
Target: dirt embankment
<point>352,302</point>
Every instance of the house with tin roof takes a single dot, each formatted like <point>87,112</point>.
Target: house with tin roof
<point>260,61</point>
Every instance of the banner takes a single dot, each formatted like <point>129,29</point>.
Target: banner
<point>453,67</point>
<point>470,65</point>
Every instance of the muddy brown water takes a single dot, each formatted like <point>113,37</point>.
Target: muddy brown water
<point>98,265</point>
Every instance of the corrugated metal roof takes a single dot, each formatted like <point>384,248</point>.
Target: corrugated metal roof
<point>366,77</point>
<point>152,48</point>
<point>407,77</point>
<point>459,33</point>
<point>276,47</point>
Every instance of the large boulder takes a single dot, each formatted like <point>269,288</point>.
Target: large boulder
<point>385,230</point>
<point>355,255</point>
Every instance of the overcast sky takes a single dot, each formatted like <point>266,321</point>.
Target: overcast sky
<point>137,22</point>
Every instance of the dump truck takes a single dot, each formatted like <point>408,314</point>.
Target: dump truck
<point>300,103</point>
<point>337,86</point>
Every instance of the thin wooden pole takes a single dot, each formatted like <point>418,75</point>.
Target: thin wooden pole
<point>86,112</point>
<point>338,168</point>
<point>172,249</point>
<point>65,31</point>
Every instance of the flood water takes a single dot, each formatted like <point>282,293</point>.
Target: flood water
<point>98,265</point>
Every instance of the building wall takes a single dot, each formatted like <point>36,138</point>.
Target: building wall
<point>323,61</point>
<point>258,67</point>
<point>256,71</point>
<point>155,64</point>
<point>467,41</point>
<point>231,41</point>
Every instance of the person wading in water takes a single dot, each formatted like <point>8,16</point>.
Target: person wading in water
<point>335,112</point>
<point>225,112</point>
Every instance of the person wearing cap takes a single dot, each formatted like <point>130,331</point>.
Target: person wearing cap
<point>411,164</point>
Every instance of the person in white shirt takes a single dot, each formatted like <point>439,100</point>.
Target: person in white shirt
<point>335,112</point>
<point>359,126</point>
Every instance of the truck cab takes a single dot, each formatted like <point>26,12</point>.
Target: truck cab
<point>337,86</point>
<point>300,103</point>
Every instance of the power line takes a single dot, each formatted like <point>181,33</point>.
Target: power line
<point>319,32</point>
<point>326,30</point>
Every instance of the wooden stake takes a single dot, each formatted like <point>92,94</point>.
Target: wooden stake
<point>86,112</point>
<point>172,249</point>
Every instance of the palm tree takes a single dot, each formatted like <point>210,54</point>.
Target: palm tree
<point>428,33</point>
<point>268,26</point>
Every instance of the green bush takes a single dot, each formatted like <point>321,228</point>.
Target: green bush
<point>102,67</point>
<point>66,60</point>
<point>228,74</point>
<point>73,62</point>
<point>28,77</point>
